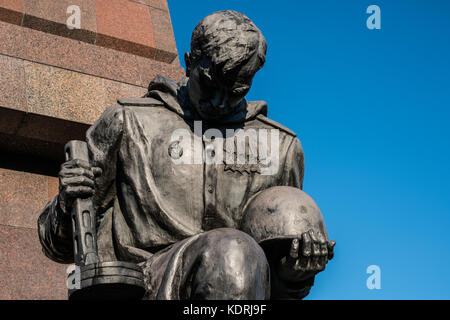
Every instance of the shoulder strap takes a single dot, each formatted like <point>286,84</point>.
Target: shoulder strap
<point>143,102</point>
<point>275,124</point>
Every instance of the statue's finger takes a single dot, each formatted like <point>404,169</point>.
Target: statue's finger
<point>322,262</point>
<point>97,171</point>
<point>293,253</point>
<point>303,263</point>
<point>324,249</point>
<point>313,236</point>
<point>297,265</point>
<point>77,163</point>
<point>331,245</point>
<point>306,242</point>
<point>77,181</point>
<point>315,243</point>
<point>314,263</point>
<point>76,172</point>
<point>79,191</point>
<point>310,264</point>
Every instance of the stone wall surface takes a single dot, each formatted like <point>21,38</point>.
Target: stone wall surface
<point>54,83</point>
<point>141,27</point>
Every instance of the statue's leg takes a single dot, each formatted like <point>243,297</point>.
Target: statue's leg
<point>219,264</point>
<point>231,265</point>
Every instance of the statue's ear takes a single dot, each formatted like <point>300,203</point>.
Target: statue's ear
<point>187,60</point>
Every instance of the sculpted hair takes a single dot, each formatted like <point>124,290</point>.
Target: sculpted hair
<point>230,39</point>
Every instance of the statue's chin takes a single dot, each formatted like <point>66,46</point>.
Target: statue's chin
<point>213,113</point>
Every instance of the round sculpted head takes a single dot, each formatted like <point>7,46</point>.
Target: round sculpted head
<point>227,50</point>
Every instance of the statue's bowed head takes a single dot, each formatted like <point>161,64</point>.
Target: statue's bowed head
<point>227,50</point>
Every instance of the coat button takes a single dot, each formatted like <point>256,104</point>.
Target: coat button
<point>210,188</point>
<point>175,150</point>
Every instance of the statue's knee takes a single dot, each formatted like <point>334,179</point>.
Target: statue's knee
<point>234,246</point>
<point>237,262</point>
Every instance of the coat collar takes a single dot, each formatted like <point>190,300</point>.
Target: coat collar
<point>175,98</point>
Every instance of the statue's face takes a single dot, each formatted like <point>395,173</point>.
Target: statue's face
<point>215,94</point>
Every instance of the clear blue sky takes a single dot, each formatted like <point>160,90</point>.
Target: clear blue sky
<point>372,110</point>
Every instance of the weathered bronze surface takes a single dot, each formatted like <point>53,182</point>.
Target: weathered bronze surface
<point>195,185</point>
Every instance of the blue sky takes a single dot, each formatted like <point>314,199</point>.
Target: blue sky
<point>372,110</point>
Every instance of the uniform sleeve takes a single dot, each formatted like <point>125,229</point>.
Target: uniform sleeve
<point>55,233</point>
<point>294,166</point>
<point>103,140</point>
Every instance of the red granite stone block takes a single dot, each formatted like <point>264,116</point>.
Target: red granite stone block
<point>22,198</point>
<point>51,16</point>
<point>63,94</point>
<point>26,273</point>
<point>126,46</point>
<point>149,69</point>
<point>68,95</point>
<point>11,11</point>
<point>177,73</point>
<point>53,187</point>
<point>79,56</point>
<point>11,40</point>
<point>125,26</point>
<point>13,5</point>
<point>12,83</point>
<point>160,4</point>
<point>116,90</point>
<point>163,34</point>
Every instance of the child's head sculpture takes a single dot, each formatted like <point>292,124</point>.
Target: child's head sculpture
<point>227,50</point>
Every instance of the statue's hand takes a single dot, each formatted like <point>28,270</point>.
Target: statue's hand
<point>307,257</point>
<point>76,180</point>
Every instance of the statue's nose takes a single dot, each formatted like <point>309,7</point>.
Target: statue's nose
<point>220,100</point>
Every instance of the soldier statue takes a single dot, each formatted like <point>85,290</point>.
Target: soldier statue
<point>223,229</point>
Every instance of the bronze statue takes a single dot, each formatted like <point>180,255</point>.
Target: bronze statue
<point>176,190</point>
